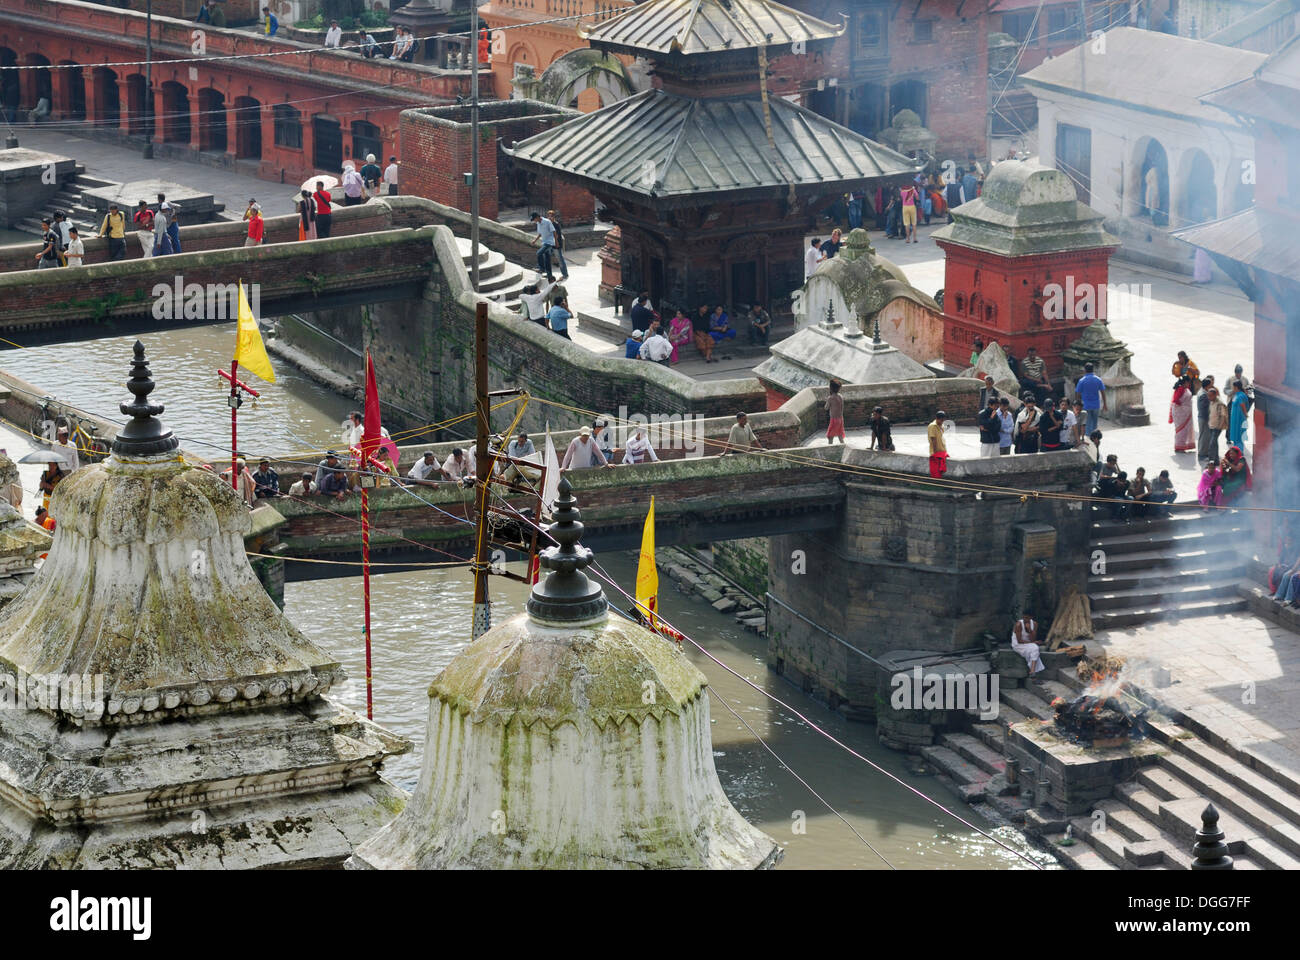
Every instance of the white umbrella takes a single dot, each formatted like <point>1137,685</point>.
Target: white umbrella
<point>45,456</point>
<point>310,183</point>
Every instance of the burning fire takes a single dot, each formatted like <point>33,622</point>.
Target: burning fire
<point>1105,714</point>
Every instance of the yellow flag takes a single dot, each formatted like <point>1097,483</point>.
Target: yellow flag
<point>647,575</point>
<point>250,352</point>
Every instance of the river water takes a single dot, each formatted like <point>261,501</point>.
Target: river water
<point>421,621</point>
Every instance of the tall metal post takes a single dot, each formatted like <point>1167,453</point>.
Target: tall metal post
<point>483,471</point>
<point>473,153</point>
<point>148,80</point>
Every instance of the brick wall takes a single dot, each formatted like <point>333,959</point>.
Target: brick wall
<point>436,148</point>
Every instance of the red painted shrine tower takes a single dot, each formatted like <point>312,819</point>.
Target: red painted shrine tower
<point>1027,266</point>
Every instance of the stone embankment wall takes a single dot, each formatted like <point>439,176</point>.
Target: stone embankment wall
<point>691,575</point>
<point>744,562</point>
<point>920,566</point>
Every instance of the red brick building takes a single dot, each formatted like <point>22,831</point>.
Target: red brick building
<point>286,116</point>
<point>436,145</point>
<point>1026,265</point>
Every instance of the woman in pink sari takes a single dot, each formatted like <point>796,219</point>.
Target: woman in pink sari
<point>1181,416</point>
<point>679,332</point>
<point>1209,492</point>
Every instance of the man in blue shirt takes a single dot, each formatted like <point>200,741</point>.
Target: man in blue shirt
<point>969,187</point>
<point>632,348</point>
<point>546,239</point>
<point>269,23</point>
<point>1092,392</point>
<point>559,317</point>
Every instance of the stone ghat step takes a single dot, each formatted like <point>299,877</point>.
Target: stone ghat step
<point>1199,553</point>
<point>1029,704</point>
<point>1110,619</point>
<point>974,751</point>
<point>1182,795</point>
<point>1163,577</point>
<point>1280,796</point>
<point>1177,540</point>
<point>1178,519</point>
<point>1153,595</point>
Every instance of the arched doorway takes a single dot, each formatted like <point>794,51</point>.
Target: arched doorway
<point>248,129</point>
<point>1151,188</point>
<point>909,95</point>
<point>366,139</point>
<point>176,112</point>
<point>108,104</point>
<point>1199,196</point>
<point>72,92</point>
<point>327,142</point>
<point>42,88</point>
<point>10,89</point>
<point>139,107</point>
<point>212,120</point>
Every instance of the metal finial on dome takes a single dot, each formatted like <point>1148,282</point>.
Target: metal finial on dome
<point>145,434</point>
<point>875,329</point>
<point>566,594</point>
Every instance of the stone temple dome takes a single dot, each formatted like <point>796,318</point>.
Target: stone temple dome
<point>568,739</point>
<point>163,690</point>
<point>1026,208</point>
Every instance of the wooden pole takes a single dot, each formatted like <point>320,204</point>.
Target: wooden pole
<point>483,470</point>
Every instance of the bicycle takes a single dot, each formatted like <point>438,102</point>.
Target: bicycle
<point>50,417</point>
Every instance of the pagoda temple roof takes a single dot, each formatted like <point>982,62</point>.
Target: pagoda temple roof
<point>658,146</point>
<point>1258,238</point>
<point>706,26</point>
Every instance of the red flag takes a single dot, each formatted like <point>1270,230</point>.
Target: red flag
<point>372,436</point>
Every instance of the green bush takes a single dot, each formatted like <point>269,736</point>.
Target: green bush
<point>368,20</point>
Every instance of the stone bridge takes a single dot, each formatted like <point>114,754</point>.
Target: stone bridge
<point>368,261</point>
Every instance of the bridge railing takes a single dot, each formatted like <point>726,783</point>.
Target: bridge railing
<point>217,235</point>
<point>174,37</point>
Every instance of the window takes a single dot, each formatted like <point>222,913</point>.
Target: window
<point>1018,24</point>
<point>288,127</point>
<point>1063,25</point>
<point>869,32</point>
<point>922,31</point>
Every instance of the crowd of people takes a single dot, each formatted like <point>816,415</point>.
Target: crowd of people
<point>1200,413</point>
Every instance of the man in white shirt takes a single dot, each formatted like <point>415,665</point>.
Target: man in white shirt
<point>534,300</point>
<point>638,448</point>
<point>334,35</point>
<point>583,453</point>
<point>304,487</point>
<point>657,348</point>
<point>76,251</point>
<point>426,470</point>
<point>742,439</point>
<point>459,465</point>
<point>811,257</point>
<point>66,450</point>
<point>390,176</point>
<point>353,429</point>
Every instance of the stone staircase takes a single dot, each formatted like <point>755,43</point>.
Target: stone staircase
<point>498,279</point>
<point>1151,820</point>
<point>1179,565</point>
<point>69,200</point>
